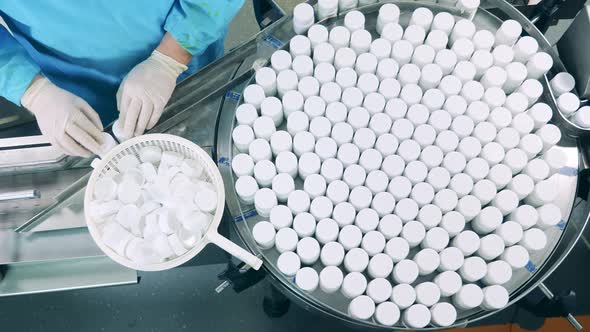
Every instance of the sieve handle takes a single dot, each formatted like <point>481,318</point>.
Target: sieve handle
<point>235,250</point>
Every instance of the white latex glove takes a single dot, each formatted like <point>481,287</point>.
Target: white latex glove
<point>145,91</point>
<point>65,119</point>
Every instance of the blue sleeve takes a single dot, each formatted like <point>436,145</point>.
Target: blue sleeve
<point>17,69</point>
<point>196,24</point>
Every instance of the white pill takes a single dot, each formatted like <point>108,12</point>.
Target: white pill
<point>264,172</point>
<point>549,215</point>
<point>543,193</point>
<point>423,55</point>
<point>289,263</point>
<point>522,185</point>
<point>360,197</point>
<point>401,51</point>
<point>264,200</point>
<point>373,243</point>
<point>348,154</point>
<point>371,160</point>
<point>499,272</point>
<point>332,170</point>
<point>321,208</point>
<point>538,65</point>
<point>246,188</point>
<point>403,295</point>
<point>409,74</point>
<point>326,148</point>
<point>415,34</point>
<point>422,193</point>
<point>508,138</point>
<point>451,259</point>
<point>463,48</point>
<point>541,113</point>
<point>483,40</point>
<point>302,66</point>
<point>381,48</point>
<point>562,83</point>
<point>437,39</point>
<point>416,171</point>
<point>309,163</point>
<point>506,200</point>
<point>534,239</point>
<point>537,170</point>
<point>495,297</point>
<point>303,17</point>
<point>280,141</point>
<point>292,101</point>
<point>431,76</point>
<point>427,293</point>
<point>453,222</point>
<point>400,187</point>
<point>331,92</point>
<point>413,232</point>
<point>532,89</point>
<point>549,134</point>
<point>326,231</point>
<point>332,254</point>
<point>345,58</point>
<point>324,73</point>
<point>353,285</point>
<point>482,60</point>
<point>431,156</point>
<point>339,37</point>
<point>388,13</point>
<point>242,164</point>
<point>463,29</point>
<point>462,184</point>
<point>468,297</point>
<point>300,45</point>
<point>516,256</point>
<point>367,220</point>
<point>297,122</point>
<point>443,21</point>
<point>374,102</point>
<point>307,279</point>
<point>433,99</point>
<point>242,136</point>
<point>436,238</point>
<point>281,217</point>
<point>473,269</point>
<point>465,71</point>
<point>447,141</point>
<point>469,206</point>
<point>298,202</point>
<point>491,246</point>
<point>304,224</point>
<point>446,200</point>
<point>477,168</point>
<point>280,60</point>
<point>344,214</point>
<point>449,283</point>
<point>390,89</point>
<point>392,32</point>
<point>417,316</point>
<point>286,240</point>
<point>397,248</point>
<point>264,234</point>
<point>364,139</point>
<point>308,250</point>
<point>361,307</point>
<point>526,215</point>
<point>405,272</point>
<point>286,162</point>
<point>510,231</point>
<point>390,226</point>
<point>525,48</point>
<point>467,241</point>
<point>387,313</point>
<point>377,182</point>
<point>264,127</point>
<point>366,63</point>
<point>246,114</point>
<point>317,33</point>
<point>439,178</point>
<point>411,94</point>
<point>331,278</point>
<point>407,210</point>
<point>446,60</point>
<point>454,162</point>
<point>337,191</point>
<point>555,158</point>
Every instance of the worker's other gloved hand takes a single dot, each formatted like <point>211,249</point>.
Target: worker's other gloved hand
<point>65,119</point>
<point>145,91</point>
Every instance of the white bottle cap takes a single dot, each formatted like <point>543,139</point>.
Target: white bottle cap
<point>440,120</point>
<point>309,163</point>
<point>360,197</point>
<point>463,29</point>
<point>491,247</point>
<point>353,285</point>
<point>289,263</point>
<point>354,20</point>
<point>532,89</point>
<point>254,95</point>
<point>350,237</point>
<point>446,60</point>
<point>400,187</point>
<point>304,224</point>
<point>403,295</point>
<point>281,60</point>
<point>264,127</point>
<point>297,122</point>
<point>324,73</point>
<point>510,231</point>
<point>380,266</point>
<point>388,13</point>
<point>374,102</point>
<point>433,99</point>
<point>307,279</point>
<point>543,193</point>
<point>243,136</point>
<point>541,113</point>
<point>473,269</point>
<point>508,138</point>
<point>449,283</point>
<point>409,74</point>
<point>506,201</point>
<point>331,278</point>
<point>470,147</point>
<point>468,297</point>
<point>282,185</point>
<point>392,32</point>
<point>472,91</point>
<point>286,240</point>
<point>437,39</point>
<point>264,200</point>
<point>438,178</point>
<point>508,33</point>
<point>281,217</point>
<point>373,243</point>
<point>537,170</point>
<point>416,171</point>
<point>397,248</point>
<point>525,48</point>
<point>298,202</point>
<point>264,234</point>
<point>562,83</point>
<point>401,51</point>
<point>409,150</point>
<point>539,64</point>
<point>447,141</point>
<point>446,200</point>
<point>242,164</point>
<point>499,272</point>
<point>431,156</point>
<point>337,191</point>
<point>443,21</point>
<point>455,105</point>
<point>417,316</point>
<point>431,76</point>
<point>413,231</point>
<point>427,261</point>
<point>246,114</point>
<point>381,48</point>
<point>467,242</point>
<point>516,256</point>
<point>308,250</point>
<point>522,185</point>
<point>469,206</point>
<point>451,259</point>
<point>482,60</point>
<point>483,40</point>
<point>495,297</point>
<point>549,215</point>
<point>555,158</point>
<point>550,135</point>
<point>386,143</point>
<point>387,313</point>
<point>367,220</point>
<point>405,272</point>
<point>300,45</point>
<point>453,222</point>
<point>427,293</point>
<point>332,254</point>
<point>345,57</point>
<point>370,159</point>
<point>331,170</point>
<point>534,239</point>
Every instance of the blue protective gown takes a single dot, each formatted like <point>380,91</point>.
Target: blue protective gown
<point>87,47</point>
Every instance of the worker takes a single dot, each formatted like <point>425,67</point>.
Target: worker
<point>73,64</point>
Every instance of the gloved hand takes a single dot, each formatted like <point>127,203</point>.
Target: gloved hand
<point>145,91</point>
<point>65,119</point>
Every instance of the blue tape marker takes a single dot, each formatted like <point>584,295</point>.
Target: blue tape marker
<point>568,171</point>
<point>223,161</point>
<point>530,266</point>
<point>246,215</point>
<point>273,41</point>
<point>232,95</point>
<point>561,225</point>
